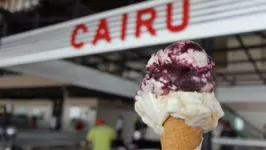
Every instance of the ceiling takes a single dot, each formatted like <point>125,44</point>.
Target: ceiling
<point>46,12</point>
<point>19,5</point>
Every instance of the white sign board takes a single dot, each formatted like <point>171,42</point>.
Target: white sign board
<point>144,24</point>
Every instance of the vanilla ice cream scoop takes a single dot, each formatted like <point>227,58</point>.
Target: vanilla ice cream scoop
<point>179,83</point>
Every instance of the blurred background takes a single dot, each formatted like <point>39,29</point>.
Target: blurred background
<point>67,64</point>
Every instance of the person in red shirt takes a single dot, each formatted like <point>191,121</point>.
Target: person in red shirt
<point>79,125</point>
<point>33,123</point>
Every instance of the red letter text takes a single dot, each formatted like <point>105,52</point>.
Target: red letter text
<point>148,22</point>
<point>169,14</point>
<point>74,43</point>
<point>102,32</point>
<point>124,27</point>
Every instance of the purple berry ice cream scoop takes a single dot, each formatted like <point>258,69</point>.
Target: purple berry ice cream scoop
<point>182,66</point>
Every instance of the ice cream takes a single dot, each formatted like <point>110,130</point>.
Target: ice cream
<point>177,93</point>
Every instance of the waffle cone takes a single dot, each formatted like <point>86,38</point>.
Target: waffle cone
<point>179,136</point>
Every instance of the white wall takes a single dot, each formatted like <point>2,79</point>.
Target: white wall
<point>241,94</point>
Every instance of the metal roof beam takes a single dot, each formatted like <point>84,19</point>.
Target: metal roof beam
<point>261,34</point>
<point>70,73</point>
<point>246,72</point>
<point>225,78</point>
<point>23,81</point>
<point>250,58</point>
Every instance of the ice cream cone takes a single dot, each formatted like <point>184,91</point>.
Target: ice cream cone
<point>179,83</point>
<point>179,136</point>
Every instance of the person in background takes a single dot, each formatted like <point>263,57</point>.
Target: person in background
<point>144,128</point>
<point>215,134</point>
<point>79,125</point>
<point>140,129</point>
<point>33,122</point>
<point>101,136</point>
<point>264,132</point>
<point>137,130</point>
<point>136,137</point>
<point>52,123</point>
<point>227,132</point>
<point>119,127</point>
<point>217,131</point>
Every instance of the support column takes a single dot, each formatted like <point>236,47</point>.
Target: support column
<point>207,143</point>
<point>1,27</point>
<point>58,106</point>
